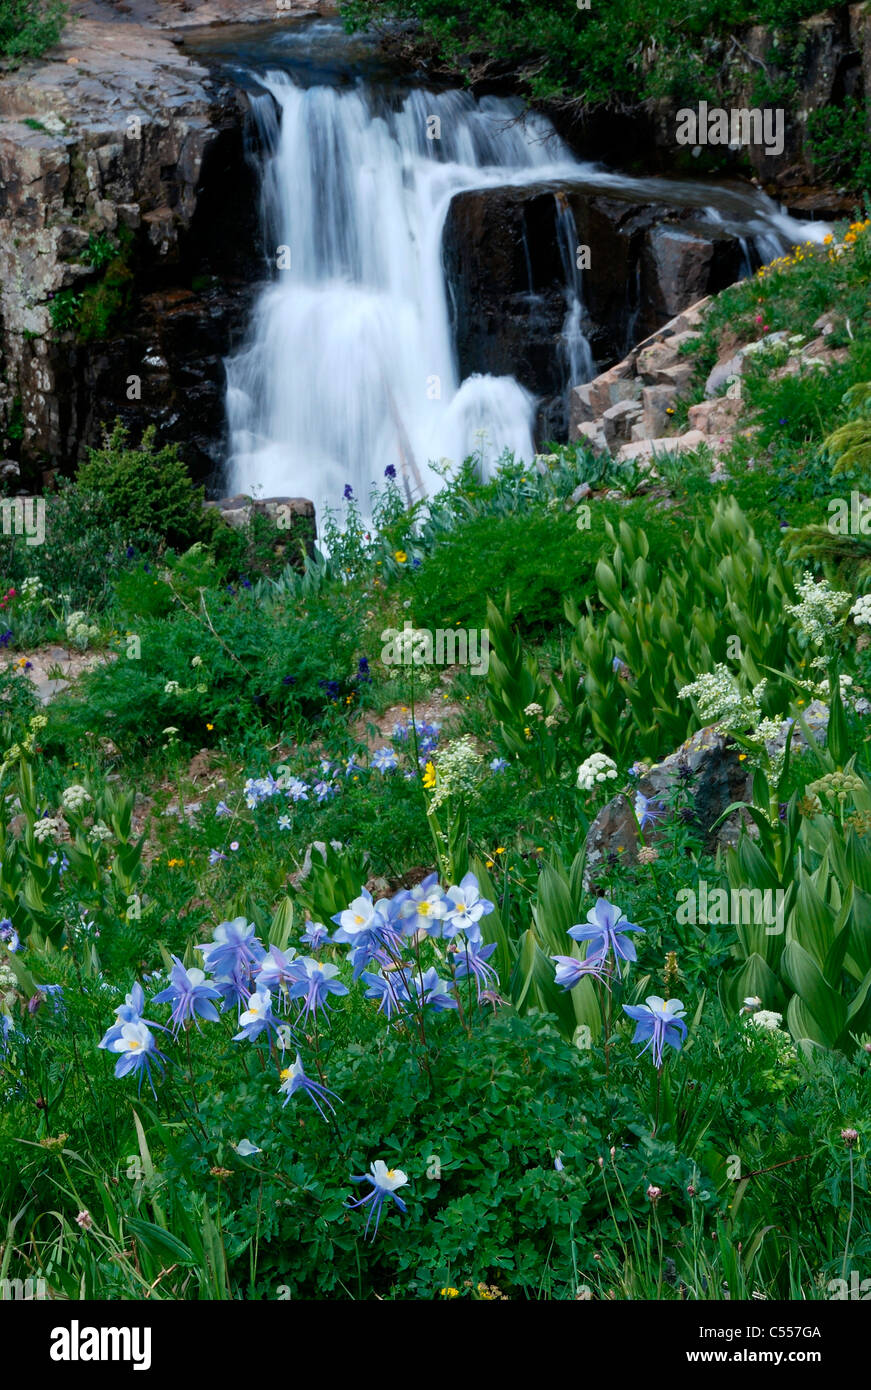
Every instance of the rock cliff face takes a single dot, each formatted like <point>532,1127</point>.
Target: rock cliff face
<point>129,239</point>
<point>504,257</point>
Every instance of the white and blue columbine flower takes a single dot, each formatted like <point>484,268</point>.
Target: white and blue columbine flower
<point>471,959</point>
<point>318,982</point>
<point>423,907</point>
<point>464,909</point>
<point>138,1051</point>
<point>606,931</point>
<point>384,760</point>
<point>294,1079</point>
<point>190,995</point>
<point>658,1024</point>
<point>385,1182</point>
<point>257,1018</point>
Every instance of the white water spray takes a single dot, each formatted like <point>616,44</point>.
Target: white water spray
<point>349,364</point>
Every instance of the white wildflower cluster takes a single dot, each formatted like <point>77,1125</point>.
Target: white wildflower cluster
<point>98,833</point>
<point>861,611</point>
<point>31,590</point>
<point>533,711</point>
<point>820,689</point>
<point>175,688</point>
<point>457,771</point>
<point>765,1018</point>
<point>8,984</point>
<point>75,799</point>
<point>597,768</point>
<point>722,702</point>
<point>46,829</point>
<point>772,734</point>
<point>820,608</point>
<point>79,630</point>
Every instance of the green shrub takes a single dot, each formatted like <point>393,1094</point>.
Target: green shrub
<point>29,27</point>
<point>146,489</point>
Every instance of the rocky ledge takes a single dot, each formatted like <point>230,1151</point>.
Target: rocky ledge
<point>627,411</point>
<point>117,140</point>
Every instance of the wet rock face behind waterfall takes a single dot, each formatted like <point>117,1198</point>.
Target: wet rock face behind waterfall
<point>176,195</point>
<point>506,271</point>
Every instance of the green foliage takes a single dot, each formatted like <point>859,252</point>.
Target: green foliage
<point>838,140</point>
<point>145,488</point>
<point>29,27</point>
<point>596,55</point>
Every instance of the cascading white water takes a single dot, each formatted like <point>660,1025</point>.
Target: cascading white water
<point>349,365</point>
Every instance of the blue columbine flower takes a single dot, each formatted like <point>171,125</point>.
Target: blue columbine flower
<point>278,970</point>
<point>294,1079</point>
<point>660,1022</point>
<point>607,931</point>
<point>384,760</point>
<point>472,960</point>
<point>257,1018</point>
<point>138,1050</point>
<point>10,935</point>
<point>128,1012</point>
<point>190,995</point>
<point>465,908</point>
<point>315,935</point>
<point>384,1182</point>
<point>498,764</point>
<point>222,810</point>
<point>647,811</point>
<point>432,991</point>
<point>322,790</point>
<point>355,920</point>
<point>215,856</point>
<point>390,989</point>
<point>570,971</point>
<point>316,986</point>
<point>234,949</point>
<point>297,790</point>
<point>423,907</point>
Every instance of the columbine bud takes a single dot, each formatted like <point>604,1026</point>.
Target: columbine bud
<point>613,1151</point>
<point>867,1046</point>
<point>654,1194</point>
<point>691,1191</point>
<point>850,1137</point>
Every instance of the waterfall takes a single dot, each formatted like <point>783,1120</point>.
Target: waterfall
<point>348,365</point>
